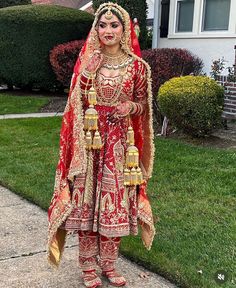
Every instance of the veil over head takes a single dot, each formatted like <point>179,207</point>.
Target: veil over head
<point>130,45</point>
<point>73,155</point>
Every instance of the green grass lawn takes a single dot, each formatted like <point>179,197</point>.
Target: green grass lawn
<point>11,104</point>
<point>193,192</point>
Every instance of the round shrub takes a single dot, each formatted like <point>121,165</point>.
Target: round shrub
<point>28,33</point>
<point>63,58</point>
<point>167,63</point>
<point>192,103</point>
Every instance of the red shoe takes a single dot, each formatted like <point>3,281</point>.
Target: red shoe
<point>91,279</point>
<point>114,278</point>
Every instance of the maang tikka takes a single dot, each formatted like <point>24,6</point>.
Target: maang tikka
<point>108,14</point>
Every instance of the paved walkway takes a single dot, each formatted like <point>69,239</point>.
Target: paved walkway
<point>31,115</point>
<point>23,262</point>
<point>229,133</point>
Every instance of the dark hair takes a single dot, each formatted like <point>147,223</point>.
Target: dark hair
<point>114,12</point>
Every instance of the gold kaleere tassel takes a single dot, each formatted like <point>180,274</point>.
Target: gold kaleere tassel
<point>132,173</point>
<point>130,135</point>
<point>91,119</point>
<point>92,96</point>
<point>91,122</point>
<point>139,176</point>
<point>86,123</point>
<point>126,177</point>
<point>133,176</point>
<point>97,141</point>
<point>88,140</point>
<point>132,156</point>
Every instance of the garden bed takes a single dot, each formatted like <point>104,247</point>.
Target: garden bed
<point>221,138</point>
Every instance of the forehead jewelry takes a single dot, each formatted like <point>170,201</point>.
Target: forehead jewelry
<point>109,7</point>
<point>108,14</point>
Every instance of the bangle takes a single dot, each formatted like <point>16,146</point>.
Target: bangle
<point>133,108</point>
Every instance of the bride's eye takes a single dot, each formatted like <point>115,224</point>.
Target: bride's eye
<point>102,25</point>
<point>114,25</point>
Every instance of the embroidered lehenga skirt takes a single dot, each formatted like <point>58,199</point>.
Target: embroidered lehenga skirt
<point>103,203</point>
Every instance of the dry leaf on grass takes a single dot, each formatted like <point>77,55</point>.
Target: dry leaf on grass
<point>144,275</point>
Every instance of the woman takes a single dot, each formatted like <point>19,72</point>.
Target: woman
<point>101,177</point>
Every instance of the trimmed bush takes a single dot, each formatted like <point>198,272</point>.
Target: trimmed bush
<point>7,3</point>
<point>136,9</point>
<point>167,63</point>
<point>63,58</point>
<point>192,103</point>
<point>28,33</point>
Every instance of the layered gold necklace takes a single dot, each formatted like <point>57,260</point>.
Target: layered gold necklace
<point>117,61</point>
<point>109,88</point>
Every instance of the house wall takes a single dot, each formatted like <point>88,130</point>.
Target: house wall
<point>207,45</point>
<point>206,49</point>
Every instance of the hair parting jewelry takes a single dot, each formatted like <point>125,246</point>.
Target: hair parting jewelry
<point>108,14</point>
<point>110,7</point>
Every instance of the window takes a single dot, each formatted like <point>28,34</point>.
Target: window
<point>216,15</point>
<point>185,16</point>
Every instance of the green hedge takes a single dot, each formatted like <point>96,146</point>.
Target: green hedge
<point>6,3</point>
<point>28,33</point>
<point>192,103</point>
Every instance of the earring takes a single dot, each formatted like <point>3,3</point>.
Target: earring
<point>122,40</point>
<point>96,42</point>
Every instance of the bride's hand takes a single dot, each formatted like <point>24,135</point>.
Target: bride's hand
<point>94,62</point>
<point>121,111</point>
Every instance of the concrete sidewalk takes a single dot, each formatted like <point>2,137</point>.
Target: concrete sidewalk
<point>30,115</point>
<point>23,256</point>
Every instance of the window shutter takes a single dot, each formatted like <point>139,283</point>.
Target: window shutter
<point>165,9</point>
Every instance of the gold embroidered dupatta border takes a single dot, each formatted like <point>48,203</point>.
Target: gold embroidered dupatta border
<point>62,205</point>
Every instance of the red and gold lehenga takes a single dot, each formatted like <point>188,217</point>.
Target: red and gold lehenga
<point>90,195</point>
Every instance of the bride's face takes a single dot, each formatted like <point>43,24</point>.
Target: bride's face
<point>110,31</point>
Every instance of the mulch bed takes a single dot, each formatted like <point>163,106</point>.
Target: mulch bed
<point>221,138</point>
<point>55,105</point>
<point>210,141</point>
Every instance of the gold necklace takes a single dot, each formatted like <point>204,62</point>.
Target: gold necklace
<point>112,99</point>
<point>117,61</point>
